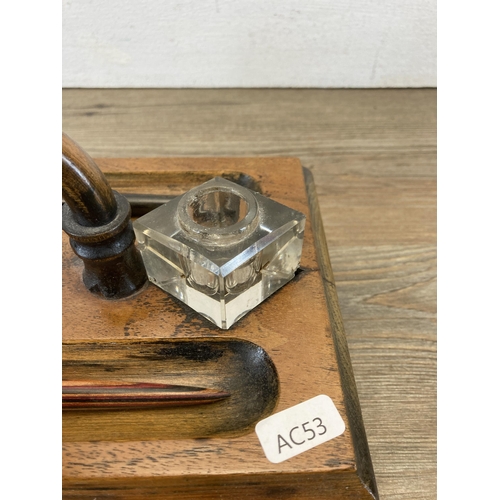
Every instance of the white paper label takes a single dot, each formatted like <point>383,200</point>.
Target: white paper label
<point>299,428</point>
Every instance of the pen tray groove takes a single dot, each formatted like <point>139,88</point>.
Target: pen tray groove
<point>236,366</point>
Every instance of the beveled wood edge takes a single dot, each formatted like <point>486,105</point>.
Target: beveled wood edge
<point>364,464</point>
<point>262,485</point>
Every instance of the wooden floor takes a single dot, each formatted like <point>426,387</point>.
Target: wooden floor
<point>373,156</point>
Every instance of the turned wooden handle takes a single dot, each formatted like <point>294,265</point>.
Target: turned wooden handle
<point>85,189</point>
<point>111,395</point>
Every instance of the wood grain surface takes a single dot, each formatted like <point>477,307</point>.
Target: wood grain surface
<point>373,156</point>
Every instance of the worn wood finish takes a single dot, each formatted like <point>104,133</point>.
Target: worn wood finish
<point>340,486</point>
<point>241,370</point>
<point>373,155</point>
<point>306,364</point>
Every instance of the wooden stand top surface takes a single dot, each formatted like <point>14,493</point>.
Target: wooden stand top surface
<point>293,326</point>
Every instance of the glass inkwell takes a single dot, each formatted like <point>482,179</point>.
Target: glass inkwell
<point>221,248</point>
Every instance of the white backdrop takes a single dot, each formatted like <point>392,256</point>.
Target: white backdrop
<point>252,43</point>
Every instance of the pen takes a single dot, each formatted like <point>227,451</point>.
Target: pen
<point>112,395</point>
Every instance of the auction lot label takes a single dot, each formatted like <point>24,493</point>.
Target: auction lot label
<point>299,428</point>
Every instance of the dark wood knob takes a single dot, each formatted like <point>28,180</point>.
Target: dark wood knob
<point>97,220</point>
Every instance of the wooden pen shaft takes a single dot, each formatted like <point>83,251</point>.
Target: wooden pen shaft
<point>105,395</point>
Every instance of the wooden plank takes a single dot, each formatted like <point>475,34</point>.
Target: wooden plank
<point>352,140</point>
<point>366,132</point>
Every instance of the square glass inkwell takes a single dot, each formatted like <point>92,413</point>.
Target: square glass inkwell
<point>221,248</point>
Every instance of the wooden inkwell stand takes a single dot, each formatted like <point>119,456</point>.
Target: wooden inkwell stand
<point>289,349</point>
